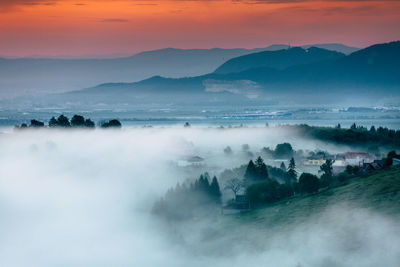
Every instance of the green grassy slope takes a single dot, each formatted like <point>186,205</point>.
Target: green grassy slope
<point>379,192</point>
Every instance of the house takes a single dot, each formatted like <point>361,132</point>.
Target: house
<point>238,205</point>
<point>191,161</point>
<point>313,161</point>
<point>354,158</point>
<point>373,166</point>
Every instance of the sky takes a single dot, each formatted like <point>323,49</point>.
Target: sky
<point>101,27</point>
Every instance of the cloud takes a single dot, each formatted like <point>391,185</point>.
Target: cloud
<point>112,20</point>
<point>82,198</point>
<point>11,5</point>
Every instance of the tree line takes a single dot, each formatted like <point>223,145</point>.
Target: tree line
<point>354,135</point>
<point>264,190</point>
<point>188,199</point>
<point>77,121</point>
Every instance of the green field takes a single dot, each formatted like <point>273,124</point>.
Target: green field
<point>379,192</point>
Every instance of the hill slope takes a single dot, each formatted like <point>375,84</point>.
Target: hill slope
<point>280,59</point>
<point>371,73</point>
<point>379,192</point>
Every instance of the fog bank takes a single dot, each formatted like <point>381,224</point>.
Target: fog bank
<point>83,198</point>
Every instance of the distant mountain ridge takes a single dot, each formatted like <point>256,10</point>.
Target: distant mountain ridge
<point>279,59</point>
<point>32,76</point>
<point>373,71</point>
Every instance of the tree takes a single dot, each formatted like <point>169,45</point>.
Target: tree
<point>228,150</point>
<point>111,124</point>
<point>63,121</point>
<point>256,172</point>
<point>261,169</point>
<point>372,130</point>
<point>327,170</point>
<point>284,150</point>
<point>36,123</point>
<point>291,171</point>
<point>389,159</point>
<point>89,123</point>
<point>215,190</point>
<point>234,185</point>
<point>308,183</point>
<point>263,192</point>
<point>250,171</point>
<point>283,166</point>
<point>186,125</point>
<point>77,121</point>
<point>53,122</point>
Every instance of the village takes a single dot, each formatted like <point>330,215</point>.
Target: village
<point>278,161</point>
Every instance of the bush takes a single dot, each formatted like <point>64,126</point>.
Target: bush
<point>308,183</point>
<point>263,192</point>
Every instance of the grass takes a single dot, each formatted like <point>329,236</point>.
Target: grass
<point>379,192</point>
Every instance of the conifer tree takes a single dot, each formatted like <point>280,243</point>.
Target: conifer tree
<point>291,171</point>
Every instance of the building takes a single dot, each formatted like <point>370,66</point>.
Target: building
<point>192,161</point>
<point>376,165</point>
<point>313,162</point>
<point>354,158</point>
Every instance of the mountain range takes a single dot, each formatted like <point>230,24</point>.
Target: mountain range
<point>296,74</point>
<point>33,76</point>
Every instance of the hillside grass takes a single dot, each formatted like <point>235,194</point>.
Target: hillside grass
<point>379,192</point>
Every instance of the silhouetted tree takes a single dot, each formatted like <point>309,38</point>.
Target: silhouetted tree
<point>256,171</point>
<point>89,123</point>
<point>327,170</point>
<point>77,121</point>
<point>215,190</point>
<point>261,169</point>
<point>283,166</point>
<point>111,124</point>
<point>235,185</point>
<point>291,171</point>
<point>63,121</point>
<point>250,170</point>
<point>372,130</point>
<point>36,123</point>
<point>53,122</point>
<point>284,150</point>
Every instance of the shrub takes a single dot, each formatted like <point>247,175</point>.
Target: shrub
<point>308,183</point>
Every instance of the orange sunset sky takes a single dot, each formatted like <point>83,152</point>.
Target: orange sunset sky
<point>73,28</point>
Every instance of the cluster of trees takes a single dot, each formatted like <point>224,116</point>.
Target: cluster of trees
<point>281,151</point>
<point>77,121</point>
<point>354,135</point>
<point>111,124</point>
<point>264,189</point>
<point>256,171</point>
<point>182,201</point>
<point>269,191</point>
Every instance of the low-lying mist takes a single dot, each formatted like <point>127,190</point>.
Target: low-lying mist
<point>84,198</point>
